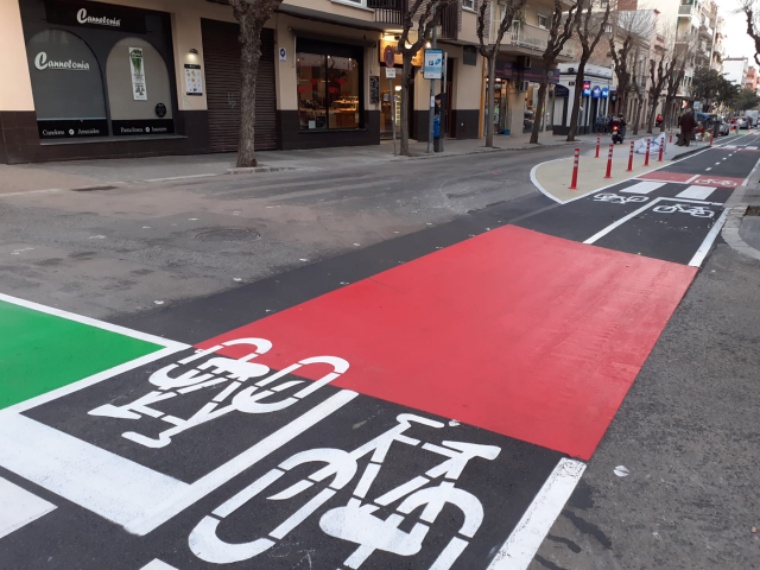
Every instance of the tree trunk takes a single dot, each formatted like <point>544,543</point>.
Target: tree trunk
<point>490,127</point>
<point>577,99</point>
<point>539,112</point>
<point>404,127</point>
<point>250,54</point>
<point>650,120</point>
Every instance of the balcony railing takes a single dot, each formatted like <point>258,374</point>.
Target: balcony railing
<point>530,37</point>
<point>686,10</point>
<point>450,22</point>
<point>706,31</point>
<point>389,11</point>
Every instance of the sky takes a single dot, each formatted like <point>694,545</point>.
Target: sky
<point>737,42</point>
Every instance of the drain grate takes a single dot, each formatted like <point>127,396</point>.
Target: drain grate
<point>753,211</point>
<point>228,234</point>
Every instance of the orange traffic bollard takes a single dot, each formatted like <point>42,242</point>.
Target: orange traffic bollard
<point>646,158</point>
<point>630,159</point>
<point>609,161</point>
<point>574,181</point>
<point>598,144</point>
<point>662,149</point>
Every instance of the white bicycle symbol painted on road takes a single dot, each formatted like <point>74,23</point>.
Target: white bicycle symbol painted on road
<point>357,521</point>
<point>198,372</point>
<point>713,182</point>
<point>618,199</point>
<point>691,209</point>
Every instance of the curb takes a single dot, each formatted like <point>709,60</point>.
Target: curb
<point>731,234</point>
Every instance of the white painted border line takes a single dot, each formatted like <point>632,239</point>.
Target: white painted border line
<point>187,177</point>
<point>30,192</point>
<point>600,234</point>
<point>107,484</point>
<point>707,244</point>
<point>523,544</point>
<point>92,322</point>
<point>19,507</point>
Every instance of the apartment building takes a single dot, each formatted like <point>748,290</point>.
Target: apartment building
<point>121,78</point>
<point>751,80</point>
<point>735,70</point>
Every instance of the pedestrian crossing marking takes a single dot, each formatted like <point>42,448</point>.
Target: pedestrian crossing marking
<point>18,507</point>
<point>696,192</point>
<point>643,187</point>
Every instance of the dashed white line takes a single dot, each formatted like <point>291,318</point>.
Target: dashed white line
<point>696,192</point>
<point>708,169</point>
<point>157,565</point>
<point>643,187</point>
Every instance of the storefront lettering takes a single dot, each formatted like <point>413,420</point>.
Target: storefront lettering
<point>84,18</point>
<point>42,63</point>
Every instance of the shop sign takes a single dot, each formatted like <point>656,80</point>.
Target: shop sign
<point>193,79</point>
<point>43,63</point>
<point>398,58</point>
<point>72,128</point>
<point>587,89</point>
<point>149,127</point>
<point>433,68</point>
<point>605,92</point>
<point>95,15</point>
<point>596,92</point>
<point>137,65</point>
<point>561,91</point>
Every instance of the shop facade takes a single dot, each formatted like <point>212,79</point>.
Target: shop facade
<point>597,91</point>
<point>153,77</point>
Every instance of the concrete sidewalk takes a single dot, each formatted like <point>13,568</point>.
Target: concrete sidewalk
<point>553,178</point>
<point>92,174</point>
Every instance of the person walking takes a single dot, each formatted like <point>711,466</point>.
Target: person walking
<point>687,124</point>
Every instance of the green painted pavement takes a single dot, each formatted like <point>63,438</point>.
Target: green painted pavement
<point>40,352</point>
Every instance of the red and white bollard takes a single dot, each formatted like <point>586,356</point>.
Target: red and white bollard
<point>609,161</point>
<point>574,181</point>
<point>646,158</point>
<point>662,149</point>
<point>671,137</point>
<point>711,137</point>
<point>598,144</point>
<point>630,159</point>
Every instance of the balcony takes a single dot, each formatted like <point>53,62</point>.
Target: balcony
<point>528,37</point>
<point>706,31</point>
<point>391,12</point>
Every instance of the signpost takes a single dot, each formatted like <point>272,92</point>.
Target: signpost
<point>389,56</point>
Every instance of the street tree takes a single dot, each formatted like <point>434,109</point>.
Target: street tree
<point>712,88</point>
<point>561,29</point>
<point>628,28</point>
<point>251,15</point>
<point>659,69</point>
<point>747,99</point>
<point>490,49</point>
<point>753,24</point>
<point>680,53</point>
<point>426,15</point>
<point>589,28</point>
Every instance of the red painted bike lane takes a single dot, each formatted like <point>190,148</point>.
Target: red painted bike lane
<point>530,336</point>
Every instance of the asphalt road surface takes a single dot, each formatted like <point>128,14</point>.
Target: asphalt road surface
<point>419,369</point>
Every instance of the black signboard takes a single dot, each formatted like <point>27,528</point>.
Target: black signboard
<point>72,128</point>
<point>95,15</point>
<point>141,127</point>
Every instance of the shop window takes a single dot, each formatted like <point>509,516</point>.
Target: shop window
<point>139,89</point>
<point>329,86</point>
<point>67,86</point>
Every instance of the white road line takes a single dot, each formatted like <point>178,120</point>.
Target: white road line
<point>18,507</point>
<point>28,192</point>
<point>752,148</point>
<point>643,187</point>
<point>523,544</point>
<point>696,192</point>
<point>113,487</point>
<point>704,249</point>
<point>91,322</point>
<point>189,176</point>
<point>717,163</point>
<point>157,565</point>
<point>599,235</point>
<point>708,169</point>
<point>693,178</point>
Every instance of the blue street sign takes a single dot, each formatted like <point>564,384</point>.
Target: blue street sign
<point>433,64</point>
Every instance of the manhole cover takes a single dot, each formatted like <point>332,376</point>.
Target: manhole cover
<point>228,234</point>
<point>753,211</point>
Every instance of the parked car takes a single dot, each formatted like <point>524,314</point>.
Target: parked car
<point>724,127</point>
<point>742,123</point>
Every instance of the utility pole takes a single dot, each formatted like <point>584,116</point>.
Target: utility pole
<point>434,45</point>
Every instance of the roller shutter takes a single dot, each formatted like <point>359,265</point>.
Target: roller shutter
<point>221,53</point>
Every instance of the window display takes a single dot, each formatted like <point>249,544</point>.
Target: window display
<point>329,87</point>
